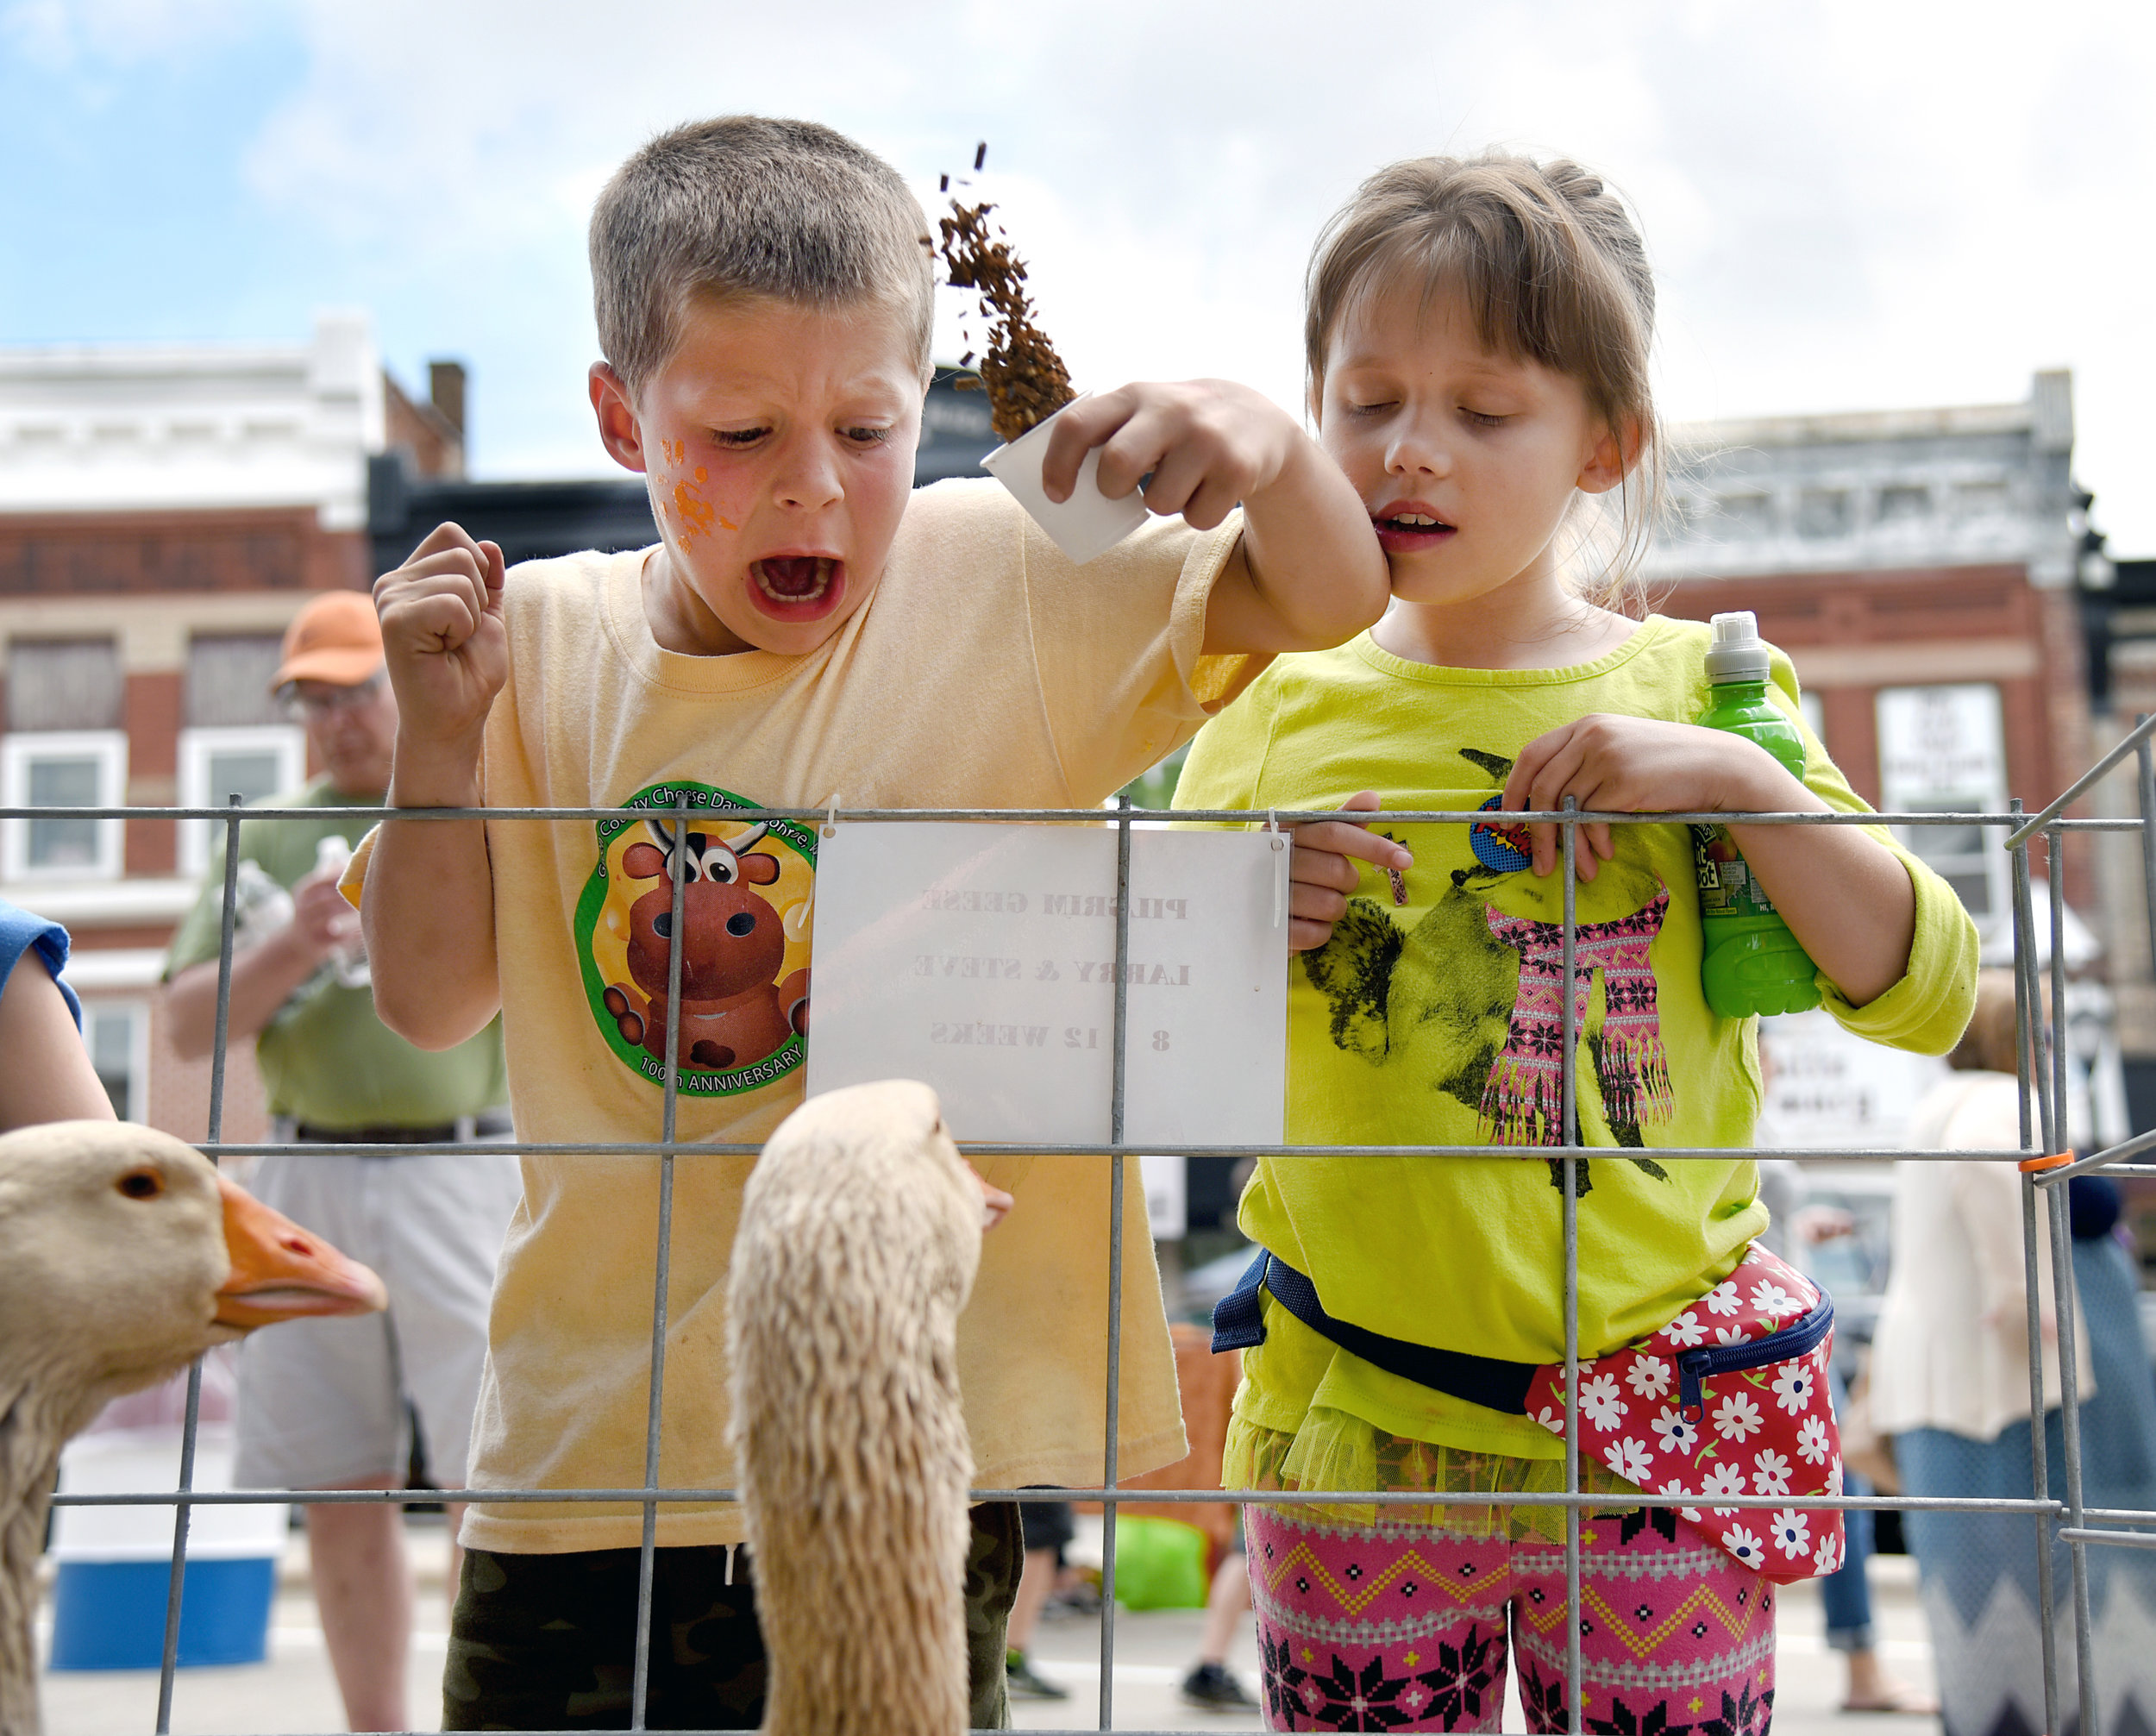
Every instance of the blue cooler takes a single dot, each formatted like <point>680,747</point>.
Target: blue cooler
<point>114,1563</point>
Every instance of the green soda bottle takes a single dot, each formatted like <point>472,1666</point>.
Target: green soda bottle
<point>1752,962</point>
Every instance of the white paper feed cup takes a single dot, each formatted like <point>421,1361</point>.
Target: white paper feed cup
<point>1087,524</point>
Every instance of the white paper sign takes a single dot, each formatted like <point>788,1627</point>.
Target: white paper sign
<point>981,959</point>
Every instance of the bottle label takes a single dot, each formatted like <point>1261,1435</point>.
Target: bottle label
<point>1726,885</point>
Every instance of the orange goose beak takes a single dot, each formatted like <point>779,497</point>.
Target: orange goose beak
<point>281,1272</point>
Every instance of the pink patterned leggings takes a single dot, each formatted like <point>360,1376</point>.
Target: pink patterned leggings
<point>1392,1626</point>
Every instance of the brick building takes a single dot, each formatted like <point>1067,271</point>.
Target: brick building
<point>1919,568</point>
<point>164,512</point>
<point>1924,569</point>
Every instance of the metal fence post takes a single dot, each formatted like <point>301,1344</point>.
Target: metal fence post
<point>2147,781</point>
<point>2035,1104</point>
<point>1571,1165</point>
<point>175,1591</point>
<point>1113,1403</point>
<point>647,1554</point>
<point>2062,1277</point>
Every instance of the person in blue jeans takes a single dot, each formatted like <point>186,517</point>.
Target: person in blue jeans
<point>1845,1594</point>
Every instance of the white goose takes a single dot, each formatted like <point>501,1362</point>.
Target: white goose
<point>123,1255</point>
<point>860,1236</point>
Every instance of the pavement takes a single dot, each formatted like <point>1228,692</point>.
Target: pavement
<point>294,1692</point>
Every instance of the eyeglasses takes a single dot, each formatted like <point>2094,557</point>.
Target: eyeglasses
<point>325,702</point>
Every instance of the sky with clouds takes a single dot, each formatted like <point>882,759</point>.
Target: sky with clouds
<point>1853,205</point>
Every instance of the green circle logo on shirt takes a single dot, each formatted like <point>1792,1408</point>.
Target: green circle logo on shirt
<point>746,894</point>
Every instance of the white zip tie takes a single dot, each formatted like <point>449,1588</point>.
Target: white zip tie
<point>831,830</point>
<point>1280,867</point>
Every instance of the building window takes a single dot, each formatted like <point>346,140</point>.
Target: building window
<point>1904,502</point>
<point>1814,709</point>
<point>1746,515</point>
<point>117,1034</point>
<point>215,765</point>
<point>1981,500</point>
<point>1823,512</point>
<point>64,684</point>
<point>62,768</point>
<point>1941,750</point>
<point>228,681</point>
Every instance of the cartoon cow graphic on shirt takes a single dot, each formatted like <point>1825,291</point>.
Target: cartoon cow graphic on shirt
<point>733,1013</point>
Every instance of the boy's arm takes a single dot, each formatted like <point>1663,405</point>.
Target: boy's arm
<point>1308,572</point>
<point>429,904</point>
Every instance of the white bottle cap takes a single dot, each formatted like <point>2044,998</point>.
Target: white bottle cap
<point>1737,653</point>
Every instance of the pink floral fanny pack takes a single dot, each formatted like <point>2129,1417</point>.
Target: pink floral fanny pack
<point>1728,1398</point>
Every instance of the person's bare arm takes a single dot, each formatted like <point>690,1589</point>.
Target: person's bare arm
<point>48,1077</point>
<point>264,975</point>
<point>429,901</point>
<point>1846,896</point>
<point>1308,572</point>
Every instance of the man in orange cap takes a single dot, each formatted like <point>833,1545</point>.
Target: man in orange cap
<point>327,1407</point>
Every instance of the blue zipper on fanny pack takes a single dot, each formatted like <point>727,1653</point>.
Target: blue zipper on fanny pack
<point>1693,1366</point>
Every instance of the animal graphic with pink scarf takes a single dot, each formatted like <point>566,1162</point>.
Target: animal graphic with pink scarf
<point>1473,994</point>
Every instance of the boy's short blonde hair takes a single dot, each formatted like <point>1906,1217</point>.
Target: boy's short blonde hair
<point>744,207</point>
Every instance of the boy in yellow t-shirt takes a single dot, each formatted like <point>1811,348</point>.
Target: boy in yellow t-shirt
<point>806,628</point>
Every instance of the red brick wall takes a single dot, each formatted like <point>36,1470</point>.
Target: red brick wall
<point>118,553</point>
<point>179,1091</point>
<point>152,725</point>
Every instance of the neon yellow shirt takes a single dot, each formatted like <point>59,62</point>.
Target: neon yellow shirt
<point>1437,1022</point>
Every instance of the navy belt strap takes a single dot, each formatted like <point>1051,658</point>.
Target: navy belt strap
<point>1238,1325</point>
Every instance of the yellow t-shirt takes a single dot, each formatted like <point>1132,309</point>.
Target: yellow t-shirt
<point>985,672</point>
<point>1438,1023</point>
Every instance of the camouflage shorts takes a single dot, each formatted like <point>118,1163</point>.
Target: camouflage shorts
<point>547,1642</point>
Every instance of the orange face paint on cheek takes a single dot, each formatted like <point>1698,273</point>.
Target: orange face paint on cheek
<point>693,511</point>
<point>693,515</point>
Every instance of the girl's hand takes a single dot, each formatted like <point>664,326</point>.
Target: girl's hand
<point>1320,874</point>
<point>1640,765</point>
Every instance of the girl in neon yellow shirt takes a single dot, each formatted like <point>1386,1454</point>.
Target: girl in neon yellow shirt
<point>1477,336</point>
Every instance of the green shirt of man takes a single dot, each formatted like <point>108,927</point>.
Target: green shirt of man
<point>325,1059</point>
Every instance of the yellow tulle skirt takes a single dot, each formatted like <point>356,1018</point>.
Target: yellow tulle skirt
<point>1335,1450</point>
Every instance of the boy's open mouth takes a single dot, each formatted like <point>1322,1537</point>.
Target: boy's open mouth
<point>798,586</point>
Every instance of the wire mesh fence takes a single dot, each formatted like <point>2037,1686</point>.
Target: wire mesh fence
<point>2044,1157</point>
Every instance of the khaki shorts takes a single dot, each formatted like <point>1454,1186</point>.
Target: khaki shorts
<point>324,1403</point>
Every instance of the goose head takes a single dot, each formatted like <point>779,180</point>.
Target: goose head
<point>124,1255</point>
